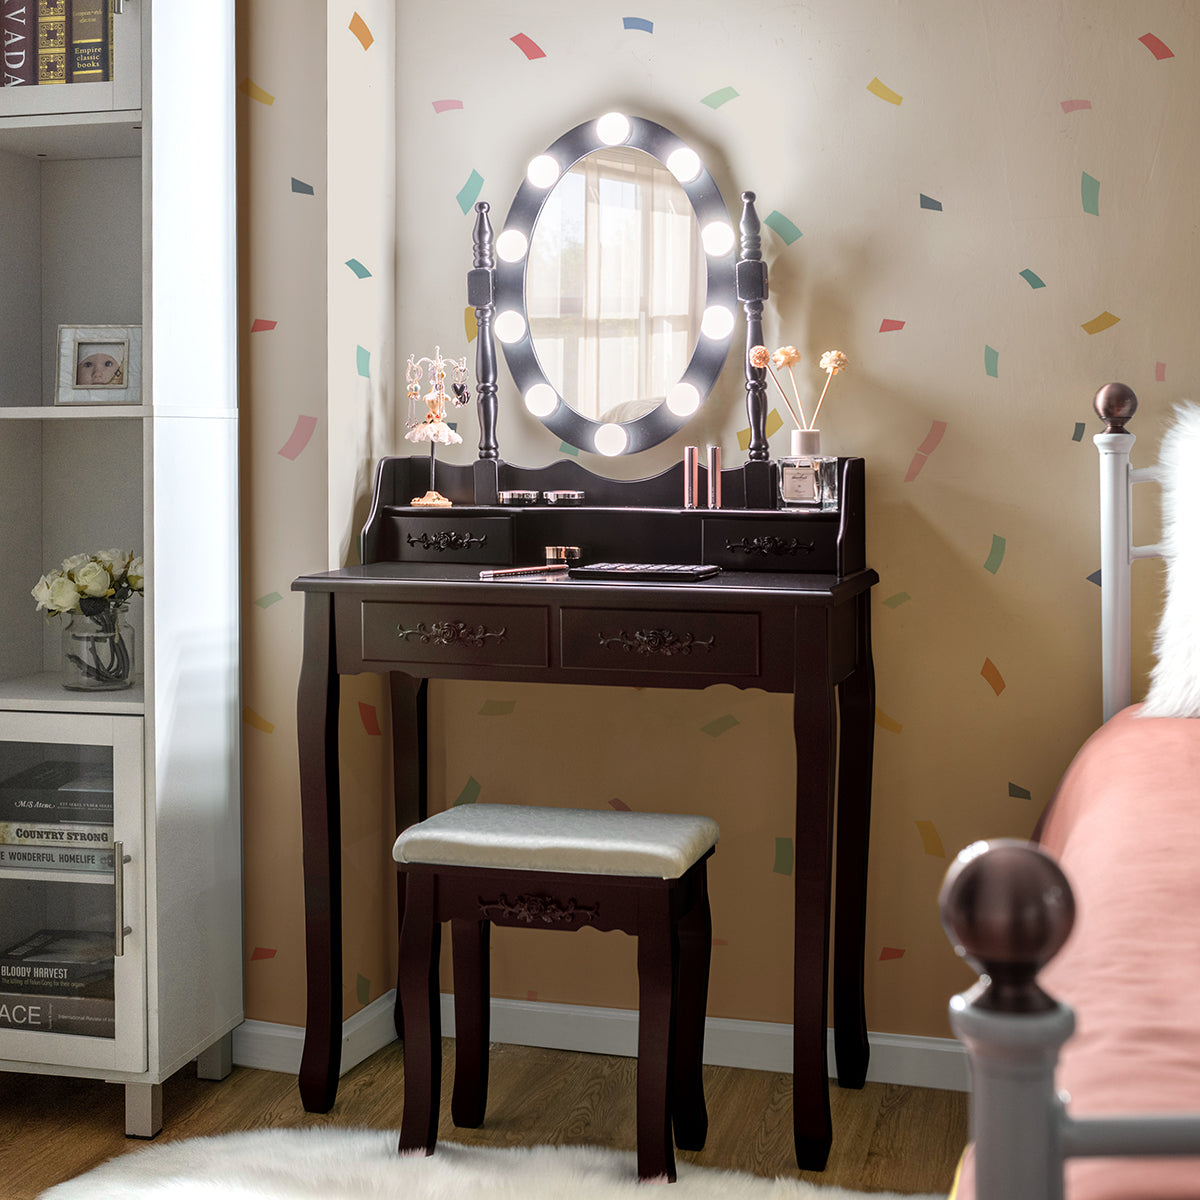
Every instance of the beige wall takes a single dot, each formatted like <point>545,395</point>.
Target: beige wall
<point>920,202</point>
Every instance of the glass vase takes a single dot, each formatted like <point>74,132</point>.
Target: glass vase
<point>808,478</point>
<point>98,651</point>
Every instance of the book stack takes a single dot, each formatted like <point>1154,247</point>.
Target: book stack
<point>57,815</point>
<point>58,981</point>
<point>55,41</point>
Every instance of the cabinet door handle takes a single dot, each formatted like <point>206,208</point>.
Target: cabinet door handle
<point>120,858</point>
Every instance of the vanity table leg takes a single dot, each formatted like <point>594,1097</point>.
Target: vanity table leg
<point>410,773</point>
<point>814,727</point>
<point>857,707</point>
<point>320,808</point>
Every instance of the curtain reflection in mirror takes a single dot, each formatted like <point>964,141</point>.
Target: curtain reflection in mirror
<point>615,285</point>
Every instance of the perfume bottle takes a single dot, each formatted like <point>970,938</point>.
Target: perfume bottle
<point>808,478</point>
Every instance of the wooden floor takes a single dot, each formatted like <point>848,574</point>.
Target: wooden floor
<point>886,1137</point>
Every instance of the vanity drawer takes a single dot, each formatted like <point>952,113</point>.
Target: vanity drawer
<point>679,643</point>
<point>460,634</point>
<point>807,544</point>
<point>453,539</point>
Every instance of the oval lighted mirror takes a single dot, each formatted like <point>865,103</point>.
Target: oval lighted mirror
<point>615,285</point>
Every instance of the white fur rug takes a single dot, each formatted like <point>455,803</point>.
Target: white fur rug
<point>358,1164</point>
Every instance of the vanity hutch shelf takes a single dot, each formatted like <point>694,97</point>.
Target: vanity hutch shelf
<point>117,199</point>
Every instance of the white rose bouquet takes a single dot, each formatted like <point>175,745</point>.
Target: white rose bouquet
<point>91,584</point>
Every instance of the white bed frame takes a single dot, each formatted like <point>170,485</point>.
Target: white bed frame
<point>1007,908</point>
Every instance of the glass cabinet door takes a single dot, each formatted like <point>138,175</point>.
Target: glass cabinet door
<point>72,964</point>
<point>70,58</point>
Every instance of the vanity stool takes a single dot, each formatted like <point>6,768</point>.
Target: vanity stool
<point>554,868</point>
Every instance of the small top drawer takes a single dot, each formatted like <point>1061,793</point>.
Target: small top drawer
<point>807,544</point>
<point>454,539</point>
<point>459,634</point>
<point>681,643</point>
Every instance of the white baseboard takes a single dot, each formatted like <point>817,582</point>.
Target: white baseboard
<point>756,1045</point>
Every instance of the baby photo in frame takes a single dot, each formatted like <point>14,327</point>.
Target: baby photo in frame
<point>99,364</point>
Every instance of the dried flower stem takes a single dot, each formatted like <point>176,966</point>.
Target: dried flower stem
<point>828,380</point>
<point>800,422</point>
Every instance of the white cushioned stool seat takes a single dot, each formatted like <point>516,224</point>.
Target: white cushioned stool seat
<point>583,841</point>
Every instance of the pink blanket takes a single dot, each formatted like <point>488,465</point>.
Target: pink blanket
<point>1125,825</point>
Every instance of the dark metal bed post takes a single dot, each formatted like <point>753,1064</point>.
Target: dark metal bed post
<point>481,293</point>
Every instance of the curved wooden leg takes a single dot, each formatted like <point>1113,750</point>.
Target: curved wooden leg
<point>658,972</point>
<point>472,1021</point>
<point>688,1111</point>
<point>420,941</point>
<point>855,756</point>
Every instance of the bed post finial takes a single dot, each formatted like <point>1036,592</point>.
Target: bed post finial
<point>1007,908</point>
<point>1115,403</point>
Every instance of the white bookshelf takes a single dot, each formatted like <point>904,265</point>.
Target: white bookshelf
<point>118,202</point>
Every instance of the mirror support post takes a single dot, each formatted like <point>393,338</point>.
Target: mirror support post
<point>752,292</point>
<point>481,296</point>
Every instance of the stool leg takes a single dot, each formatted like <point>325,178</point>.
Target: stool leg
<point>658,971</point>
<point>695,952</point>
<point>420,941</point>
<point>472,1021</point>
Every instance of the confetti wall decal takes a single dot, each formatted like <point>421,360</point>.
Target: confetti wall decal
<point>785,856</point>
<point>470,324</point>
<point>1156,46</point>
<point>362,988</point>
<point>996,557</point>
<point>269,599</point>
<point>888,953</point>
<point>931,840</point>
<point>300,434</point>
<point>261,952</point>
<point>932,440</point>
<point>719,97</point>
<point>255,721</point>
<point>1104,321</point>
<point>362,362</point>
<point>619,805</point>
<point>991,673</point>
<point>930,203</point>
<point>720,725</point>
<point>886,722</point>
<point>470,191</point>
<point>262,326</point>
<point>527,46</point>
<point>497,708</point>
<point>1094,577</point>
<point>1069,106</point>
<point>1034,281</point>
<point>991,361</point>
<point>470,792</point>
<point>369,716</point>
<point>897,599</point>
<point>358,268</point>
<point>1019,793</point>
<point>1080,430</point>
<point>304,189</point>
<point>1160,372</point>
<point>638,23</point>
<point>441,106</point>
<point>786,229</point>
<point>249,88</point>
<point>358,27</point>
<point>877,88</point>
<point>1089,190</point>
<point>888,325</point>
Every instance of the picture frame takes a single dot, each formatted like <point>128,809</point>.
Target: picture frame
<point>99,364</point>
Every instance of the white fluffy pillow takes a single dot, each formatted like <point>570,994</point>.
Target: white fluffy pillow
<point>1175,678</point>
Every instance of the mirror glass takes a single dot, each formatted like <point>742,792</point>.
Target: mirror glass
<point>615,283</point>
<point>615,292</point>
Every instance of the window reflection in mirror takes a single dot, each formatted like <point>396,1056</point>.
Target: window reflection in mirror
<point>615,284</point>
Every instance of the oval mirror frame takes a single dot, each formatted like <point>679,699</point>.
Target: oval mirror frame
<point>720,315</point>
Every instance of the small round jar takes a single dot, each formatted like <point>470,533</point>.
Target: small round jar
<point>518,497</point>
<point>562,498</point>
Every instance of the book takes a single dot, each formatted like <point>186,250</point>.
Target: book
<point>52,41</point>
<point>55,833</point>
<point>89,58</point>
<point>56,858</point>
<point>18,41</point>
<point>56,790</point>
<point>59,962</point>
<point>91,1016</point>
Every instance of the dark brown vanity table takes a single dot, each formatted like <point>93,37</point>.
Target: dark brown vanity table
<point>789,612</point>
